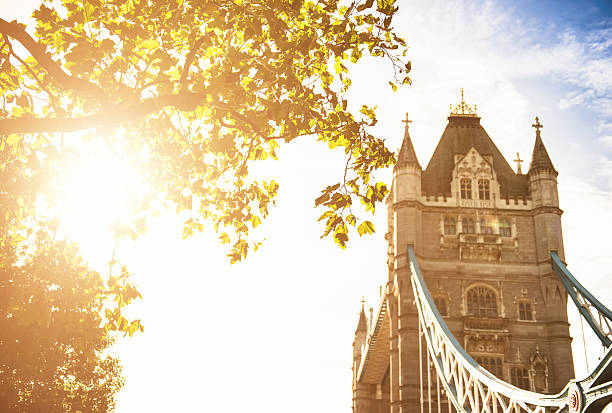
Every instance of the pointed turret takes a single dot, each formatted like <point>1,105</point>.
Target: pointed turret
<point>361,334</point>
<point>540,159</point>
<point>406,187</point>
<point>545,197</point>
<point>362,325</point>
<point>407,155</point>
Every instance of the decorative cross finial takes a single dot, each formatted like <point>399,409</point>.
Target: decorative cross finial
<point>362,303</point>
<point>518,161</point>
<point>537,126</point>
<point>462,100</point>
<point>407,121</point>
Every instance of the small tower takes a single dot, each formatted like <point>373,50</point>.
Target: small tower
<point>361,392</point>
<point>543,189</point>
<point>548,235</point>
<point>360,339</point>
<point>405,189</point>
<point>407,171</point>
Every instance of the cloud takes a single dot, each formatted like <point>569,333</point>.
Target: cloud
<point>491,41</point>
<point>575,98</point>
<point>604,167</point>
<point>606,140</point>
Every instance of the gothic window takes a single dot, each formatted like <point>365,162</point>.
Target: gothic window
<point>525,312</point>
<point>540,378</point>
<point>492,364</point>
<point>441,305</point>
<point>450,228</point>
<point>482,302</point>
<point>486,226</point>
<point>466,188</point>
<point>483,189</point>
<point>468,226</point>
<point>505,230</point>
<point>519,378</point>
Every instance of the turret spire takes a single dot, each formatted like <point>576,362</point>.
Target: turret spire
<point>362,325</point>
<point>407,155</point>
<point>540,159</point>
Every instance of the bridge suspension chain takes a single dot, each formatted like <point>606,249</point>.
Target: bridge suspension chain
<point>595,313</point>
<point>472,389</point>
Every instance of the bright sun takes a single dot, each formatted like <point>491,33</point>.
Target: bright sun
<point>98,191</point>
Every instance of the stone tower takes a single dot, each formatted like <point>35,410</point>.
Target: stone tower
<point>482,235</point>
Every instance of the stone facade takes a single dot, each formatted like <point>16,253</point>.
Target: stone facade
<point>483,236</point>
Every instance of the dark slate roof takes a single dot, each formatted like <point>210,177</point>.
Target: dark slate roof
<point>363,324</point>
<point>461,134</point>
<point>540,158</point>
<point>407,154</point>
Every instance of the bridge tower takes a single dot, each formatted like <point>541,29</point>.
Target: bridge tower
<point>483,236</point>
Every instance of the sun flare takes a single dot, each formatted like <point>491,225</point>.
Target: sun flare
<point>98,193</point>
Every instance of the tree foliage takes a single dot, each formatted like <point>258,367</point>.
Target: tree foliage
<point>57,317</point>
<point>192,93</point>
<point>195,92</point>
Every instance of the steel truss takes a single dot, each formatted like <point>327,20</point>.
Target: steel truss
<point>472,389</point>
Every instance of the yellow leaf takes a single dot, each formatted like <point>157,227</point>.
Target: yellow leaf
<point>13,139</point>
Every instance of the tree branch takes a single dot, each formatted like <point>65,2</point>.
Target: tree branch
<point>189,60</point>
<point>29,69</point>
<point>117,114</point>
<point>17,31</point>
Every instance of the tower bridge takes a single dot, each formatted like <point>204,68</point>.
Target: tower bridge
<point>473,317</point>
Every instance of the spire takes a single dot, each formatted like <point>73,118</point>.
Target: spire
<point>363,322</point>
<point>407,154</point>
<point>540,158</point>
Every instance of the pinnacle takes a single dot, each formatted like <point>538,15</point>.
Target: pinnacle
<point>540,159</point>
<point>407,155</point>
<point>363,324</point>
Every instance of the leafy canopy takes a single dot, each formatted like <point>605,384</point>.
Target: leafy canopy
<point>194,92</point>
<point>57,317</point>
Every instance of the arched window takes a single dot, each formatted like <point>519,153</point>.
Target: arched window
<point>483,189</point>
<point>482,302</point>
<point>486,226</point>
<point>519,378</point>
<point>525,312</point>
<point>441,305</point>
<point>466,188</point>
<point>540,379</point>
<point>505,230</point>
<point>450,227</point>
<point>468,226</point>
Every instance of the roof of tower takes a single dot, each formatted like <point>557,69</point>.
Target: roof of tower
<point>363,323</point>
<point>540,158</point>
<point>462,133</point>
<point>407,154</point>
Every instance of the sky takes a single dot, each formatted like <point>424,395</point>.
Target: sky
<point>274,333</point>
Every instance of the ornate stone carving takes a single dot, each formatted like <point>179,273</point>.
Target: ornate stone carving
<point>538,371</point>
<point>486,343</point>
